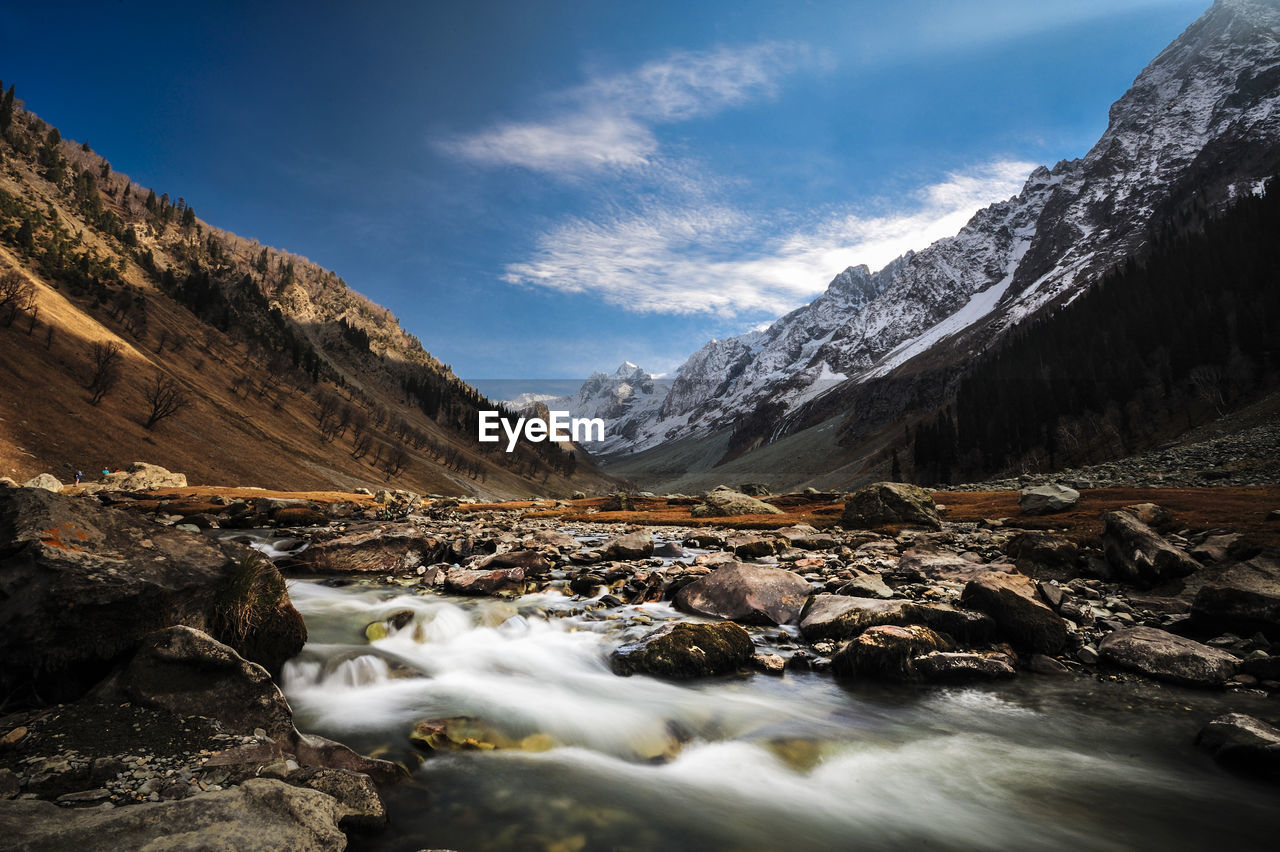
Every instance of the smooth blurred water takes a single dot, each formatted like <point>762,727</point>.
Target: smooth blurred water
<point>800,762</point>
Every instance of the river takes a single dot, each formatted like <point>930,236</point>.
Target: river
<point>801,762</point>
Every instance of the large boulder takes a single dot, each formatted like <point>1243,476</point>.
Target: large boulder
<point>1243,743</point>
<point>682,651</point>
<point>752,594</point>
<point>1243,599</point>
<point>1044,556</point>
<point>190,673</point>
<point>636,545</point>
<point>47,481</point>
<point>259,815</point>
<point>1047,499</point>
<point>480,581</point>
<point>1139,555</point>
<point>1164,656</point>
<point>382,549</point>
<point>843,617</point>
<point>725,503</point>
<point>890,503</point>
<point>1013,601</point>
<point>141,476</point>
<point>82,584</point>
<point>887,651</point>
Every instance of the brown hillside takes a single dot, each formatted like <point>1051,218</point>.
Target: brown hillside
<point>256,339</point>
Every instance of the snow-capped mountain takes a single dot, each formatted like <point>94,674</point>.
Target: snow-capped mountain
<point>627,399</point>
<point>1199,126</point>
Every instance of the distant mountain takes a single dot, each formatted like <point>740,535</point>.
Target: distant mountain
<point>1199,128</point>
<point>631,396</point>
<point>288,377</point>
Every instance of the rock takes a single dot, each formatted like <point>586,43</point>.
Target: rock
<point>752,594</point>
<point>383,549</point>
<point>1043,555</point>
<point>83,583</point>
<point>1164,656</point>
<point>189,673</point>
<point>1021,617</point>
<point>843,617</point>
<point>299,516</point>
<point>532,562</point>
<point>1263,667</point>
<point>578,495</point>
<point>9,784</point>
<point>886,651</point>
<point>636,545</point>
<point>806,537</point>
<point>1138,554</point>
<point>620,502</point>
<point>141,476</point>
<point>681,650</point>
<point>920,565</point>
<point>754,489</point>
<point>1214,548</point>
<point>466,581</point>
<point>1243,743</point>
<point>749,546</point>
<point>721,504</point>
<point>867,586</point>
<point>47,481</point>
<point>951,667</point>
<point>257,816</point>
<point>769,663</point>
<point>1243,599</point>
<point>669,550</point>
<point>361,807</point>
<point>1150,514</point>
<point>890,503</point>
<point>1047,499</point>
<point>1041,664</point>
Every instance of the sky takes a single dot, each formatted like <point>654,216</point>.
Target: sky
<point>542,189</point>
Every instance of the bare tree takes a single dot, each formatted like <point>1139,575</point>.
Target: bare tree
<point>17,294</point>
<point>1208,381</point>
<point>166,398</point>
<point>107,363</point>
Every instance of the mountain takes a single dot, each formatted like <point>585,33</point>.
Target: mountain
<point>114,301</point>
<point>1199,128</point>
<point>625,400</point>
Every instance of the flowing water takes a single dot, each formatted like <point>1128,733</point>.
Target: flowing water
<point>800,762</point>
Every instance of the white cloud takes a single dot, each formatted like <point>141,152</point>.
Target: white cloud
<point>607,122</point>
<point>721,260</point>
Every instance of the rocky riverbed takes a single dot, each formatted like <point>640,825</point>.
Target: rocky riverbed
<point>886,593</point>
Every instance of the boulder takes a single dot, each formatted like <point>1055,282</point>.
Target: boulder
<point>47,481</point>
<point>749,546</point>
<point>532,562</point>
<point>636,545</point>
<point>890,503</point>
<point>469,581</point>
<point>382,549</point>
<point>1047,499</point>
<point>141,476</point>
<point>1021,617</point>
<point>620,502</point>
<point>806,537</point>
<point>843,617</point>
<point>918,565</point>
<point>752,594</point>
<point>754,489</point>
<point>1214,548</point>
<point>360,806</point>
<point>723,503</point>
<point>1164,656</point>
<point>1242,599</point>
<point>190,673</point>
<point>1243,743</point>
<point>1156,517</point>
<point>259,815</point>
<point>1043,555</point>
<point>82,584</point>
<point>886,650</point>
<point>682,651</point>
<point>1139,555</point>
<point>952,667</point>
<point>867,586</point>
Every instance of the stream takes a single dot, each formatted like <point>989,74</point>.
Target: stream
<point>801,762</point>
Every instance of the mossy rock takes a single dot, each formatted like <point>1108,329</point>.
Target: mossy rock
<point>685,650</point>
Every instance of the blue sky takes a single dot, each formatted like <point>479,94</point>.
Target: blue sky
<point>541,189</point>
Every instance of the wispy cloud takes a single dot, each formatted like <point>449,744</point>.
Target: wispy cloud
<point>718,259</point>
<point>608,122</point>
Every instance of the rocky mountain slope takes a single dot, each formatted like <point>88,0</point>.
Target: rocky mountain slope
<point>625,400</point>
<point>112,300</point>
<point>1198,128</point>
